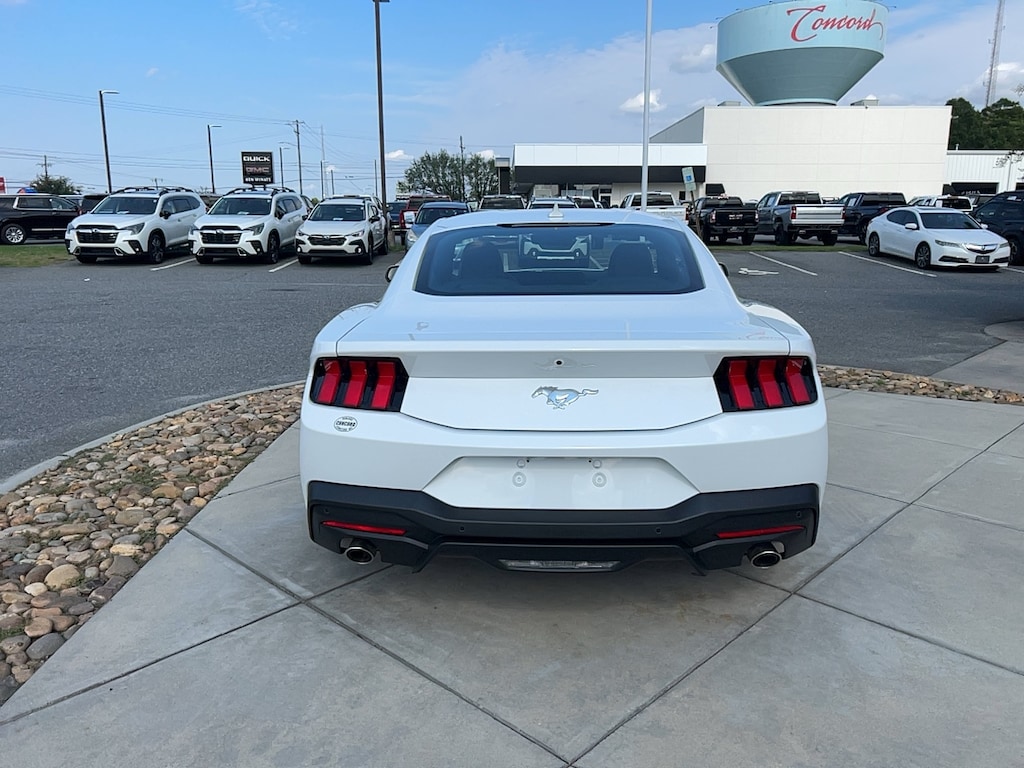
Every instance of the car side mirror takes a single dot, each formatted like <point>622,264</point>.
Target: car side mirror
<point>305,216</point>
<point>389,275</point>
<point>725,269</point>
<point>912,226</point>
<point>278,213</point>
<point>165,214</point>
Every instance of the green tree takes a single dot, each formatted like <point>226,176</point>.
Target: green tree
<point>54,185</point>
<point>997,126</point>
<point>481,177</point>
<point>453,175</point>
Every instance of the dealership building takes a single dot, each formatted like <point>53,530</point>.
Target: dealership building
<point>793,63</point>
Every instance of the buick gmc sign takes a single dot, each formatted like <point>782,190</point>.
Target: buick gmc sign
<point>258,167</point>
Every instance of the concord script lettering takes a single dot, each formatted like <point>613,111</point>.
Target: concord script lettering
<point>808,23</point>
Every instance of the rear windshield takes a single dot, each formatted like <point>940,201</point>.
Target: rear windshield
<point>723,202</point>
<point>950,220</point>
<point>430,215</point>
<point>241,206</point>
<point>502,203</point>
<point>564,259</point>
<point>960,203</point>
<point>895,198</point>
<point>126,205</point>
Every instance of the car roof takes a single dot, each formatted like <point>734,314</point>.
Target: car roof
<point>444,204</point>
<point>571,215</point>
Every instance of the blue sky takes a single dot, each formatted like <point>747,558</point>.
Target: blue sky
<point>492,73</point>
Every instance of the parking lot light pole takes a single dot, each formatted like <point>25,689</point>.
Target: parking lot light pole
<point>380,103</point>
<point>280,154</point>
<point>209,144</point>
<point>106,152</point>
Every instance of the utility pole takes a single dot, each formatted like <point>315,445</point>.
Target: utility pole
<point>323,159</point>
<point>462,169</point>
<point>298,152</point>
<point>46,169</point>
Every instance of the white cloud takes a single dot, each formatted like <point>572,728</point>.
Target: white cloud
<point>486,154</point>
<point>276,21</point>
<point>636,104</point>
<point>699,61</point>
<point>398,154</point>
<point>151,71</point>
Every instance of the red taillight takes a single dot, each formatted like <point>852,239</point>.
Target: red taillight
<point>758,532</point>
<point>792,213</point>
<point>381,529</point>
<point>365,383</point>
<point>757,383</point>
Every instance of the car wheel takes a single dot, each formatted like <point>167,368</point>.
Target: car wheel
<point>384,248</point>
<point>370,250</point>
<point>304,258</point>
<point>273,254</point>
<point>1016,257</point>
<point>923,256</point>
<point>747,238</point>
<point>829,239</point>
<point>156,249</point>
<point>874,246</point>
<point>705,235</point>
<point>780,235</point>
<point>13,234</point>
<point>85,258</point>
<point>204,259</point>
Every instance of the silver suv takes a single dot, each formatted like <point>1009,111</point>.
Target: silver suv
<point>248,223</point>
<point>135,221</point>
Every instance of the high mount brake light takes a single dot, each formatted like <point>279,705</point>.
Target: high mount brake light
<point>374,384</point>
<point>759,383</point>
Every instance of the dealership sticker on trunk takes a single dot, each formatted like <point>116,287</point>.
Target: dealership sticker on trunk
<point>345,424</point>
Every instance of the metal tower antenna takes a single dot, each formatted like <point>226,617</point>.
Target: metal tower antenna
<point>990,86</point>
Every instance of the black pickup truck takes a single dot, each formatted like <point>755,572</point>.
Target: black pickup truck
<point>721,217</point>
<point>861,207</point>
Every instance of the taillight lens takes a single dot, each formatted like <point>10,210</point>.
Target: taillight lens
<point>792,213</point>
<point>374,384</point>
<point>759,383</point>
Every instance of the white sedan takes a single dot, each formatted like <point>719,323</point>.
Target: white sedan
<point>936,237</point>
<point>538,411</point>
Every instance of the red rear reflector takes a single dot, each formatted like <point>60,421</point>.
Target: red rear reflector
<point>738,386</point>
<point>766,380</point>
<point>381,529</point>
<point>759,532</point>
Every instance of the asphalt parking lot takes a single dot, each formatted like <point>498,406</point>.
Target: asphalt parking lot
<point>90,350</point>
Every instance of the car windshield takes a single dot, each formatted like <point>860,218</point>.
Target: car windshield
<point>335,212</point>
<point>241,206</point>
<point>948,220</point>
<point>552,203</point>
<point>124,204</point>
<point>430,215</point>
<point>558,260</point>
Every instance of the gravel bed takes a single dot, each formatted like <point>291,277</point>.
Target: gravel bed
<point>71,537</point>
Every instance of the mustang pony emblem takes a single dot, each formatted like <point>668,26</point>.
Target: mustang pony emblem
<point>559,398</point>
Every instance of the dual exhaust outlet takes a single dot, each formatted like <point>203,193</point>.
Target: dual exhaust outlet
<point>362,552</point>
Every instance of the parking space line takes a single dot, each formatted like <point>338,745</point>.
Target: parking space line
<point>783,264</point>
<point>1011,269</point>
<point>286,264</point>
<point>171,266</point>
<point>917,272</point>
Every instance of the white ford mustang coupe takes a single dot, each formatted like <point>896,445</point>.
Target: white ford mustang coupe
<point>539,405</point>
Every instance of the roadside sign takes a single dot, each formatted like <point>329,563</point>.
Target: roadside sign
<point>3,185</point>
<point>689,182</point>
<point>258,168</point>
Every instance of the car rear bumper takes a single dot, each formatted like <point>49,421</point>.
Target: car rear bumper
<point>712,530</point>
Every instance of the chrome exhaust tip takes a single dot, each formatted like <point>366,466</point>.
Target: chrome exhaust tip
<point>361,552</point>
<point>763,556</point>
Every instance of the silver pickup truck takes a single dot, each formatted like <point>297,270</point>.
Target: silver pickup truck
<point>789,215</point>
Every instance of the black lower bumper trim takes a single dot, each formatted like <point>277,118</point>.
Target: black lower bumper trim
<point>688,530</point>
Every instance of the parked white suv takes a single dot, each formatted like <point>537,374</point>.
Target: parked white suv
<point>343,226</point>
<point>136,221</point>
<point>248,223</point>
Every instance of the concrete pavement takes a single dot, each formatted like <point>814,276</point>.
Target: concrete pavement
<point>894,641</point>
